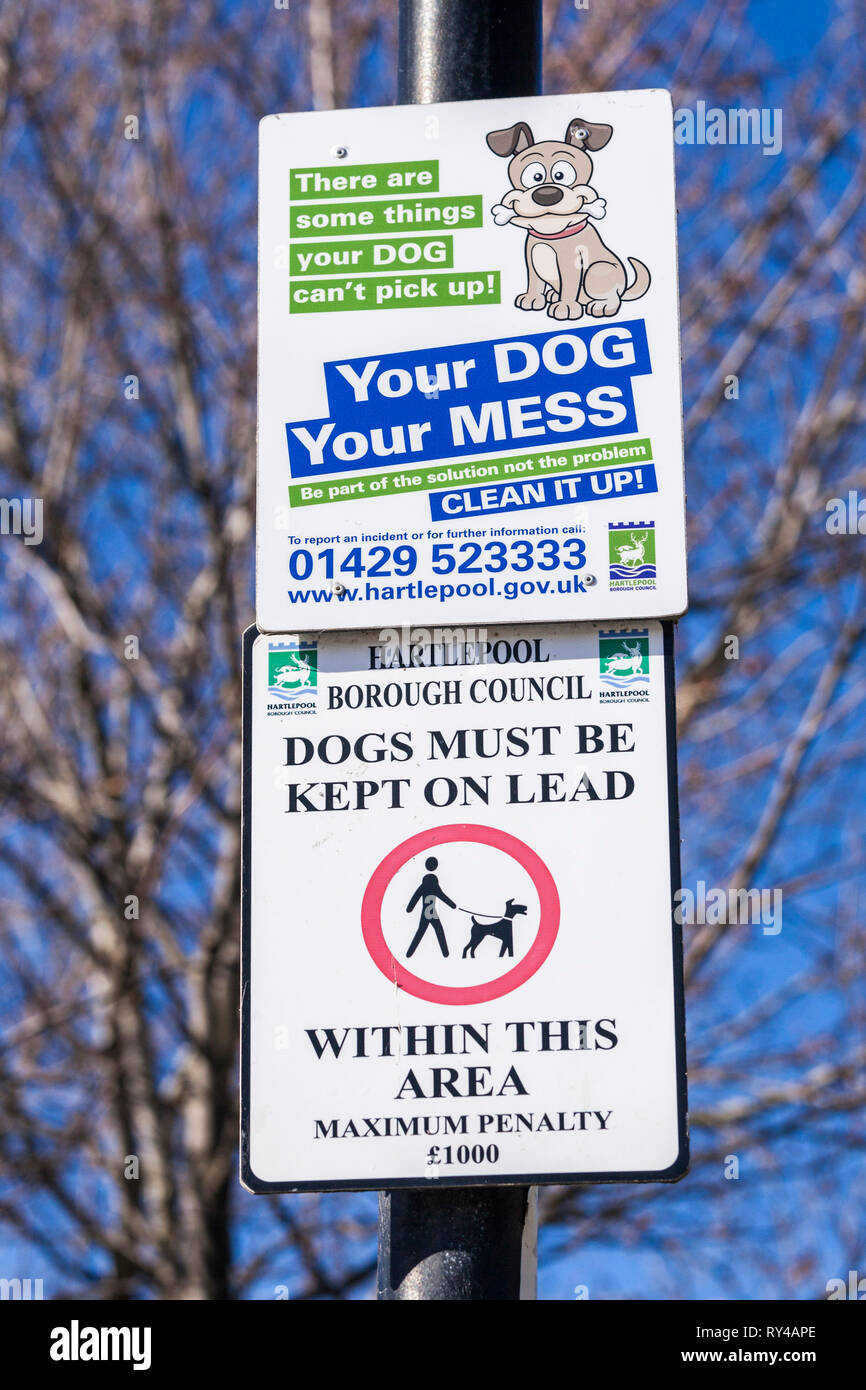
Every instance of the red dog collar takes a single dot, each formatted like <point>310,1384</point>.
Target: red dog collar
<point>554,236</point>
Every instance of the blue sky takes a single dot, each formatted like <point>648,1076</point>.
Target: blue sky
<point>790,28</point>
<point>613,1267</point>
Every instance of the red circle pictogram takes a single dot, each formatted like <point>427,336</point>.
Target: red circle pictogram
<point>371,915</point>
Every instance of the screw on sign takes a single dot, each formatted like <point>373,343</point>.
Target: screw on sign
<point>441,978</point>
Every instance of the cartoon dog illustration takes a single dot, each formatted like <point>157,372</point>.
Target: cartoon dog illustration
<point>570,268</point>
<point>502,930</point>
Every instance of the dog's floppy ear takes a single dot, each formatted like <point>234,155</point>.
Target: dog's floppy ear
<point>511,141</point>
<point>586,135</point>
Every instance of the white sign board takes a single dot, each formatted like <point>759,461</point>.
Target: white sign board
<point>460,958</point>
<point>469,364</point>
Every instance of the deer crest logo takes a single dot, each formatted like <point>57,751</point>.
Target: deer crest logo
<point>632,548</point>
<point>633,554</point>
<point>292,672</point>
<point>630,660</point>
<point>295,675</point>
<point>623,659</point>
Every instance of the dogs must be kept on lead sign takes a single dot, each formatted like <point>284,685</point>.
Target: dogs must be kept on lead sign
<point>460,958</point>
<point>469,383</point>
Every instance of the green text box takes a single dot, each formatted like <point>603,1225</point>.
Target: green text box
<point>396,253</point>
<point>416,176</point>
<point>571,458</point>
<point>399,215</point>
<point>403,291</point>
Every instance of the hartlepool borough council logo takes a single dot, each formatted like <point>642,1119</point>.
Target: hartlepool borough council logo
<point>632,549</point>
<point>623,660</point>
<point>292,677</point>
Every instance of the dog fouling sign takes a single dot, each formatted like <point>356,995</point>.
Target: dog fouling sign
<point>469,393</point>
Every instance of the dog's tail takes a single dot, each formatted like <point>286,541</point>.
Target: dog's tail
<point>642,280</point>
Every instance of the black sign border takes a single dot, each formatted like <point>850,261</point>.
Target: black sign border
<point>678,1168</point>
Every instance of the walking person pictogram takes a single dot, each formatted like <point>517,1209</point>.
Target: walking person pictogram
<point>429,891</point>
<point>481,862</point>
